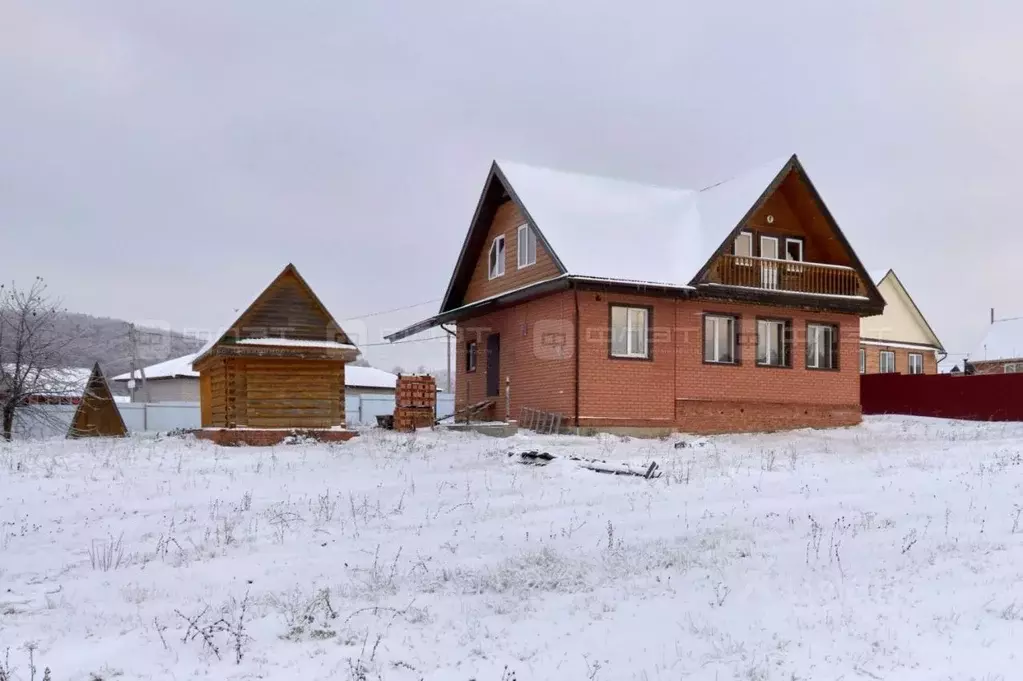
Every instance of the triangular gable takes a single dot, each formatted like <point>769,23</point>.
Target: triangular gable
<point>604,228</point>
<point>97,414</point>
<point>261,320</point>
<point>744,185</point>
<point>891,323</point>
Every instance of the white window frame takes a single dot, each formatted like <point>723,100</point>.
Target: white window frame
<point>529,240</point>
<point>784,358</point>
<point>720,324</point>
<point>789,240</point>
<point>744,260</point>
<point>881,362</point>
<point>630,352</point>
<point>916,356</point>
<point>495,267</point>
<point>863,360</point>
<point>471,356</point>
<point>1012,368</point>
<point>815,334</point>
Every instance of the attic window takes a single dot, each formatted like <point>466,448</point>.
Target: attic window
<point>527,246</point>
<point>496,262</point>
<point>744,245</point>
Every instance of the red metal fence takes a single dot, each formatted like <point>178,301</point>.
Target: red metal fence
<point>993,397</point>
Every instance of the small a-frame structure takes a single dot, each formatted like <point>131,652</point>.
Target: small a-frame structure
<point>279,366</point>
<point>97,414</point>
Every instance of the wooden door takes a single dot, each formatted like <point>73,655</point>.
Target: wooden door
<point>494,365</point>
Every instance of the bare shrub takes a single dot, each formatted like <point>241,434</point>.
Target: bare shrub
<point>230,625</point>
<point>107,554</point>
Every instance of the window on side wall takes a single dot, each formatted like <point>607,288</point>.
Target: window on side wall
<point>470,357</point>
<point>863,361</point>
<point>774,338</point>
<point>916,363</point>
<point>630,332</point>
<point>1013,368</point>
<point>496,263</point>
<point>821,346</point>
<point>720,333</point>
<point>887,362</point>
<point>527,246</point>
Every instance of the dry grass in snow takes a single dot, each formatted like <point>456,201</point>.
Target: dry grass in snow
<point>893,550</point>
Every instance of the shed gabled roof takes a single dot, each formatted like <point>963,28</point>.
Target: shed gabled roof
<point>1003,340</point>
<point>289,270</point>
<point>97,414</point>
<point>617,230</point>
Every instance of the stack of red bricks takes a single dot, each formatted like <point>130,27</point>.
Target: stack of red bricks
<point>415,402</point>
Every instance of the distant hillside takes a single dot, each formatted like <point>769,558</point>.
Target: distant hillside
<point>106,340</point>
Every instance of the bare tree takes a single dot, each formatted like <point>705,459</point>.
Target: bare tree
<point>33,354</point>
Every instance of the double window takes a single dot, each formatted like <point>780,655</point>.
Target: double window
<point>822,346</point>
<point>1013,368</point>
<point>720,339</point>
<point>630,332</point>
<point>496,261</point>
<point>887,363</point>
<point>526,246</point>
<point>774,340</point>
<point>916,363</point>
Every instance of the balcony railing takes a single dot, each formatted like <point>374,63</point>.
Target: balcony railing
<point>786,275</point>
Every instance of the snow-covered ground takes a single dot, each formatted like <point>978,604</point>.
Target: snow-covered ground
<point>893,550</point>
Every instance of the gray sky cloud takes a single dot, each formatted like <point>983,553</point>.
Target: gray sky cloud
<point>161,160</point>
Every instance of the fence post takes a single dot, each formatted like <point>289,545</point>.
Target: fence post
<point>507,399</point>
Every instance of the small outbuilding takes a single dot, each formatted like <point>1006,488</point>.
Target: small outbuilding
<point>279,366</point>
<point>97,414</point>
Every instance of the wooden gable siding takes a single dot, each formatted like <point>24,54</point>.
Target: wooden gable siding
<point>794,213</point>
<point>506,222</point>
<point>286,309</point>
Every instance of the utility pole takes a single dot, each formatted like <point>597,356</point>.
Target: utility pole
<point>133,337</point>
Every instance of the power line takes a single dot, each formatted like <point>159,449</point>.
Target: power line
<point>412,340</point>
<point>396,309</point>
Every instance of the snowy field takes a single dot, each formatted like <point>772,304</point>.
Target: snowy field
<point>893,550</point>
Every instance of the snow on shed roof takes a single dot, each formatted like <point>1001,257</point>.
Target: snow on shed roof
<point>621,230</point>
<point>172,368</point>
<point>1003,340</point>
<point>181,367</point>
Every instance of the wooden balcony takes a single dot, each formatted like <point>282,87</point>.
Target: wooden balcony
<point>786,275</point>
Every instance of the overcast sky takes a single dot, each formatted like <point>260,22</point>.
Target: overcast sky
<point>163,160</point>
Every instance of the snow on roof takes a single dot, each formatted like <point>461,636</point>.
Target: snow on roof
<point>295,343</point>
<point>1003,340</point>
<point>615,229</point>
<point>368,377</point>
<point>69,382</point>
<point>172,368</point>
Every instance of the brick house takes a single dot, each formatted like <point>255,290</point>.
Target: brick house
<point>899,340</point>
<point>630,308</point>
<point>1001,349</point>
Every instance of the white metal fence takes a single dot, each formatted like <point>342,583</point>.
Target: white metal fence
<point>54,420</point>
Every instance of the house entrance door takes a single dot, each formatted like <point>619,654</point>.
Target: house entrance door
<point>494,365</point>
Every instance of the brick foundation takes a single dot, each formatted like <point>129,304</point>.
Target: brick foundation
<point>233,437</point>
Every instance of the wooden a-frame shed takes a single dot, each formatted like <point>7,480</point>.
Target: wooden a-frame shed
<point>97,414</point>
<point>280,365</point>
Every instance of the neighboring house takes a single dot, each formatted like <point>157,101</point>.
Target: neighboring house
<point>176,381</point>
<point>627,307</point>
<point>173,380</point>
<point>1001,350</point>
<point>899,340</point>
<point>279,365</point>
<point>52,386</point>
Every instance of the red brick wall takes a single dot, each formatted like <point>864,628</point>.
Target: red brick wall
<point>672,389</point>
<point>873,359</point>
<point>537,353</point>
<point>996,367</point>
